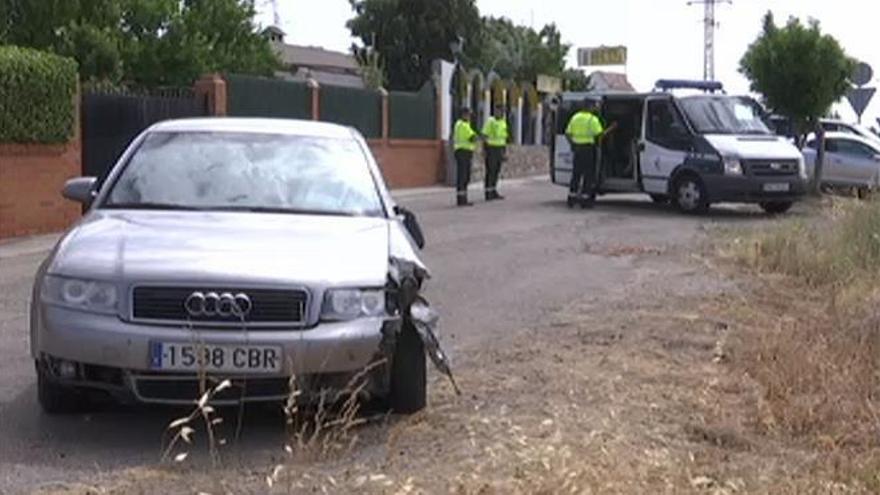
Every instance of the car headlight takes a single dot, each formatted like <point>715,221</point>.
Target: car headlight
<point>348,304</point>
<point>732,166</point>
<point>84,295</point>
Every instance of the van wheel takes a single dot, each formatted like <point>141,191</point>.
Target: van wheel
<point>776,207</point>
<point>690,194</point>
<point>660,199</point>
<point>408,393</point>
<point>58,399</point>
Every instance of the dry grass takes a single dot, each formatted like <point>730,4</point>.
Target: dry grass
<point>810,336</point>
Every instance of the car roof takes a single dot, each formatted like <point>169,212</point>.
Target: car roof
<point>256,125</point>
<point>847,135</point>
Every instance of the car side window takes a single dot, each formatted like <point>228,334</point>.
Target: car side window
<point>666,127</point>
<point>854,148</point>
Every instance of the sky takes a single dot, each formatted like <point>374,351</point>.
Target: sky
<point>664,38</point>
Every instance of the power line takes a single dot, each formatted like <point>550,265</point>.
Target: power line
<point>709,25</point>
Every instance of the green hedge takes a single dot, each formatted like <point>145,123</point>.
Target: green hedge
<point>36,96</point>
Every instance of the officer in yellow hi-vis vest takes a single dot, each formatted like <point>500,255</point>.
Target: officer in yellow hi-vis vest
<point>464,139</point>
<point>496,134</point>
<point>583,132</point>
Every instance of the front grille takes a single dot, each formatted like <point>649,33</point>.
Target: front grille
<point>268,306</point>
<point>771,167</point>
<point>187,389</point>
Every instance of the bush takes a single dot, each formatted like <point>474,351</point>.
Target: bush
<point>36,96</point>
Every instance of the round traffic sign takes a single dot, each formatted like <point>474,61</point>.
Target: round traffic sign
<point>862,74</point>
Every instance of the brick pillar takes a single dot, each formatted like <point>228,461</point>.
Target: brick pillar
<point>213,87</point>
<point>316,98</point>
<point>386,122</point>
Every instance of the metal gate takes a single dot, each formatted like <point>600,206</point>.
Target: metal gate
<point>110,120</point>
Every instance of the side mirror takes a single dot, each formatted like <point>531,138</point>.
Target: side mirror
<point>81,189</point>
<point>412,225</point>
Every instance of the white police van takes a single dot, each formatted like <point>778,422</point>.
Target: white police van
<point>692,150</point>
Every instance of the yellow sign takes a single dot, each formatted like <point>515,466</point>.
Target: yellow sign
<point>603,55</point>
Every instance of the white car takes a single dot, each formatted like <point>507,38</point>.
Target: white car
<point>850,160</point>
<point>832,125</point>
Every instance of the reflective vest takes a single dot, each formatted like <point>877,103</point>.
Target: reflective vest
<point>495,131</point>
<point>584,128</point>
<point>464,135</point>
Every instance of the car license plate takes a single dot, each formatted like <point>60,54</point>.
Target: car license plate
<point>776,187</point>
<point>173,356</point>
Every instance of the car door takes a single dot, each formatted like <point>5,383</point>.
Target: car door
<point>857,162</point>
<point>664,145</point>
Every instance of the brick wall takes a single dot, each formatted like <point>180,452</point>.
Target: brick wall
<point>409,162</point>
<point>31,179</point>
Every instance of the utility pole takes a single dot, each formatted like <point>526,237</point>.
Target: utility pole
<point>709,25</point>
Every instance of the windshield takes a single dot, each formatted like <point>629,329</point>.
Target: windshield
<point>722,115</point>
<point>248,172</point>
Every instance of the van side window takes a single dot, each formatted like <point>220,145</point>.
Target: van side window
<point>666,127</point>
<point>853,148</point>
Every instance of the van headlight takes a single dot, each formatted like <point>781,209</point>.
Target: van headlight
<point>80,294</point>
<point>348,304</point>
<point>732,166</point>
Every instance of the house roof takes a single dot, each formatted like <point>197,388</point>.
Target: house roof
<point>317,58</point>
<point>610,80</point>
<point>274,30</point>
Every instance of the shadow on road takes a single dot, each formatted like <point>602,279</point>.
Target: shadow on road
<point>726,213</point>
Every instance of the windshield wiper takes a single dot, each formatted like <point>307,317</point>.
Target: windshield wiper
<point>151,206</point>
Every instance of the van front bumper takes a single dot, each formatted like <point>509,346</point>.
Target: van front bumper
<point>751,189</point>
<point>114,355</point>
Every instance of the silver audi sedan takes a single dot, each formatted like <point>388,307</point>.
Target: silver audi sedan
<point>253,250</point>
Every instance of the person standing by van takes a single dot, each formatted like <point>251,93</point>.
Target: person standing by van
<point>465,142</point>
<point>496,134</point>
<point>583,132</point>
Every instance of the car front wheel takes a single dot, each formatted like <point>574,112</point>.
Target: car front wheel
<point>408,393</point>
<point>55,398</point>
<point>690,194</point>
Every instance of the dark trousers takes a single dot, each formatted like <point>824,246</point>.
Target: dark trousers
<point>463,161</point>
<point>583,176</point>
<point>494,157</point>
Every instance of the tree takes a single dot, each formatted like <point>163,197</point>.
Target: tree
<point>410,34</point>
<point>800,73</point>
<point>142,42</point>
<point>519,52</point>
<point>575,80</point>
<point>372,67</point>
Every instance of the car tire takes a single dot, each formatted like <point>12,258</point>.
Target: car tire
<point>690,194</point>
<point>409,378</point>
<point>660,199</point>
<point>58,399</point>
<point>776,207</point>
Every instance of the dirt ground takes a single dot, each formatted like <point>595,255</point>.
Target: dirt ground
<point>622,393</point>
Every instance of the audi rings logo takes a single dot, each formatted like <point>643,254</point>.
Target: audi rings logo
<point>223,305</point>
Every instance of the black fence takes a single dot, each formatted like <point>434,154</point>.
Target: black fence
<point>410,115</point>
<point>413,115</point>
<point>110,120</point>
<point>249,96</point>
<point>355,107</point>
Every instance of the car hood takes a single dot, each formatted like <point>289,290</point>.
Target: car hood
<point>750,147</point>
<point>253,248</point>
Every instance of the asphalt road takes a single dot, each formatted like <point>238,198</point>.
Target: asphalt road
<point>497,267</point>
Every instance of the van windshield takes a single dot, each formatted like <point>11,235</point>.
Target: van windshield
<point>722,115</point>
